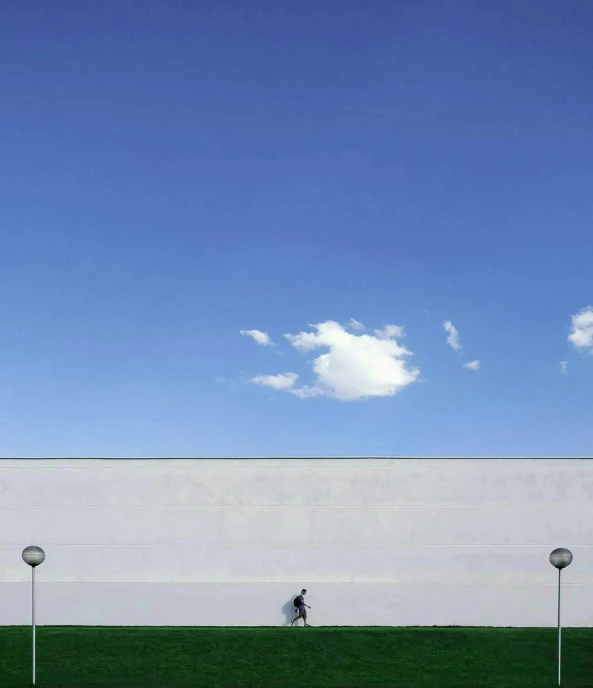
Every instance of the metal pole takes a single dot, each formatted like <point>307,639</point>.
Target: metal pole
<point>560,558</point>
<point>559,628</point>
<point>33,616</point>
<point>33,556</point>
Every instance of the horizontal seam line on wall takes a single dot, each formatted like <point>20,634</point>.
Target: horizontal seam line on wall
<point>285,582</point>
<point>358,468</point>
<point>244,464</point>
<point>278,545</point>
<point>295,506</point>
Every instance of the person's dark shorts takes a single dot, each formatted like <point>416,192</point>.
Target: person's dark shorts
<point>303,614</point>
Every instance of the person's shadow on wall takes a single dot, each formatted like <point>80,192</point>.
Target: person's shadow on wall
<point>289,611</point>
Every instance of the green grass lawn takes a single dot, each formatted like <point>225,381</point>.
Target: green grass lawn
<point>352,657</point>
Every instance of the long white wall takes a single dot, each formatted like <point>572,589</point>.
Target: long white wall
<point>230,541</point>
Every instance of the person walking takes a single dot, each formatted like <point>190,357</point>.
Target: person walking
<point>299,603</point>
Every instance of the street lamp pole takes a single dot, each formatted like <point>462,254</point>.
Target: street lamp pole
<point>33,616</point>
<point>560,558</point>
<point>33,556</point>
<point>559,628</point>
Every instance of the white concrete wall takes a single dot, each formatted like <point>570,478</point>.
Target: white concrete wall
<point>231,541</point>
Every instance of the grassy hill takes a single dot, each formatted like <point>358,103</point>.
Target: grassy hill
<point>350,657</point>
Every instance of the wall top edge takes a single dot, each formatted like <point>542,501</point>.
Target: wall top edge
<point>286,462</point>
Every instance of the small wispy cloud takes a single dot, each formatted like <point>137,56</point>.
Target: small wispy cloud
<point>356,325</point>
<point>262,338</point>
<point>581,335</point>
<point>453,336</point>
<point>390,332</point>
<point>472,365</point>
<point>563,366</point>
<point>283,381</point>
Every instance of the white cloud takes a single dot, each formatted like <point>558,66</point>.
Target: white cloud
<point>581,335</point>
<point>280,381</point>
<point>563,366</point>
<point>390,332</point>
<point>356,325</point>
<point>472,365</point>
<point>355,366</point>
<point>453,338</point>
<point>262,338</point>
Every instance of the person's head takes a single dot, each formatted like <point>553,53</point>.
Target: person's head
<point>303,591</point>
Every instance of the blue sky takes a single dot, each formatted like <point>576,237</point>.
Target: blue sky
<point>173,173</point>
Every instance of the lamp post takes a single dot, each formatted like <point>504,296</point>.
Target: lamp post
<point>560,558</point>
<point>33,556</point>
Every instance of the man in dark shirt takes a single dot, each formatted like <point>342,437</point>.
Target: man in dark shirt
<point>302,609</point>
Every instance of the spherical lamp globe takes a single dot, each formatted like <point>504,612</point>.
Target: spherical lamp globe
<point>561,557</point>
<point>33,555</point>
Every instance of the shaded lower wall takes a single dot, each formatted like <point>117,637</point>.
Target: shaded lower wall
<point>230,542</point>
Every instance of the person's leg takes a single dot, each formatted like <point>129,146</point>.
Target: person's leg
<point>305,617</point>
<point>296,618</point>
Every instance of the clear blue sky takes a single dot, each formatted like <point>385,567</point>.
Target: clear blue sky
<point>175,172</point>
